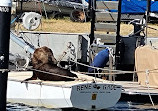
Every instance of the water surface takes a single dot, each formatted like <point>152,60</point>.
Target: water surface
<point>120,106</point>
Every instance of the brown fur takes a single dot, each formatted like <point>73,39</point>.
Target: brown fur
<point>53,69</point>
<point>43,55</point>
<point>43,59</point>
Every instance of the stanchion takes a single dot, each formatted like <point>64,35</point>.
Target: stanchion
<point>5,16</point>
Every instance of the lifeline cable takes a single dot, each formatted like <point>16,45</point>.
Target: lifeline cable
<point>119,71</point>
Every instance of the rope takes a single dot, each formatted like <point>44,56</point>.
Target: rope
<point>110,52</point>
<point>39,100</point>
<point>7,70</point>
<point>45,11</point>
<point>65,96</point>
<point>101,68</point>
<point>118,71</point>
<point>20,67</point>
<point>65,52</point>
<point>108,11</point>
<point>147,84</point>
<point>100,73</point>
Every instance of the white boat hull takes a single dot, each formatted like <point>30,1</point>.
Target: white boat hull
<point>82,95</point>
<point>38,95</point>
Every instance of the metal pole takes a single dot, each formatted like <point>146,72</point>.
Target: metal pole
<point>21,7</point>
<point>147,18</point>
<point>92,14</point>
<point>118,37</point>
<point>5,18</point>
<point>148,6</point>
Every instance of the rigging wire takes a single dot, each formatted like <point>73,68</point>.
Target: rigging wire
<point>118,71</point>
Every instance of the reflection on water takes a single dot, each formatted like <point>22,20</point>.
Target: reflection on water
<point>131,106</point>
<point>22,107</point>
<point>120,106</point>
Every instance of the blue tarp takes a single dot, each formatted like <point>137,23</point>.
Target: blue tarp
<point>137,6</point>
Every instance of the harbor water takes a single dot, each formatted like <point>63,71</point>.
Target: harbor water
<point>120,106</point>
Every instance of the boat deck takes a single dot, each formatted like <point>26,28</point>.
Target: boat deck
<point>21,76</point>
<point>130,88</point>
<point>134,88</point>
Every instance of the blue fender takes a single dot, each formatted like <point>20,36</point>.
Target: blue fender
<point>100,60</point>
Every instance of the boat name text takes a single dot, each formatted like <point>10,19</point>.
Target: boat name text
<point>95,86</point>
<point>4,9</point>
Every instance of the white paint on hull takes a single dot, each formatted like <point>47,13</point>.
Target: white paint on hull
<point>60,94</point>
<point>38,95</point>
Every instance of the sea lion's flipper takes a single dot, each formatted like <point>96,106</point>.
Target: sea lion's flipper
<point>34,77</point>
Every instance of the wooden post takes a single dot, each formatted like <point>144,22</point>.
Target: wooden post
<point>5,16</point>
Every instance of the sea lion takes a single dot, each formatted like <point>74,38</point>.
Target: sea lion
<point>43,55</point>
<point>54,70</point>
<point>44,60</point>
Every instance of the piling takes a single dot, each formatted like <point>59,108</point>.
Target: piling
<point>5,16</point>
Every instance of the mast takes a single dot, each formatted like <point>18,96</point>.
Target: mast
<point>5,16</point>
<point>147,18</point>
